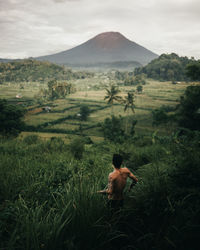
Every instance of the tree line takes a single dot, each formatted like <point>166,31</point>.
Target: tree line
<point>169,67</point>
<point>32,70</point>
<point>56,90</point>
<point>187,112</point>
<point>129,79</point>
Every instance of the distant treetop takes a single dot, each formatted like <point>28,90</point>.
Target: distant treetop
<point>167,67</point>
<point>32,70</point>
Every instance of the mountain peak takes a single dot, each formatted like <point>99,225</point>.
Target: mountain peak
<point>106,47</point>
<point>109,40</point>
<point>109,35</point>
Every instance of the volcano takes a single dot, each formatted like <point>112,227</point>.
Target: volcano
<point>108,47</point>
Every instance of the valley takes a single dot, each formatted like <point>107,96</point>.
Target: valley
<point>91,92</point>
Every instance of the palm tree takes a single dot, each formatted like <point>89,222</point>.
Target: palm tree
<point>129,104</point>
<point>112,96</point>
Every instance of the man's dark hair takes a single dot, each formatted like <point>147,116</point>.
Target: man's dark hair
<point>117,160</point>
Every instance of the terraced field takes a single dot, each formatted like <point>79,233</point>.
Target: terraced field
<point>63,118</point>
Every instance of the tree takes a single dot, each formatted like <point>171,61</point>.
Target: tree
<point>11,116</point>
<point>32,70</point>
<point>84,112</point>
<point>129,104</point>
<point>193,71</point>
<point>59,90</point>
<point>112,95</point>
<point>113,129</point>
<point>166,68</point>
<point>189,108</point>
<point>134,80</point>
<point>159,116</point>
<point>139,88</point>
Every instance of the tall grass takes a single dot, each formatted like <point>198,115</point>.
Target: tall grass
<point>48,198</point>
<point>52,194</point>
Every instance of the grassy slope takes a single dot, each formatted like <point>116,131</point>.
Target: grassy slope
<point>48,198</point>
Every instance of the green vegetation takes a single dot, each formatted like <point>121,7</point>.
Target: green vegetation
<point>11,123</point>
<point>186,114</point>
<point>57,90</point>
<point>193,71</point>
<point>120,75</point>
<point>128,78</point>
<point>84,112</point>
<point>189,108</point>
<point>63,118</point>
<point>159,116</point>
<point>113,129</point>
<point>112,95</point>
<point>49,200</point>
<point>166,68</point>
<point>32,70</point>
<point>139,88</point>
<point>51,172</point>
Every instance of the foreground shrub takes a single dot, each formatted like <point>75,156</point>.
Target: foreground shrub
<point>11,119</point>
<point>31,139</point>
<point>49,200</point>
<point>56,144</point>
<point>77,148</point>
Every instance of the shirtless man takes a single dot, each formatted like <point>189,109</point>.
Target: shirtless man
<point>117,182</point>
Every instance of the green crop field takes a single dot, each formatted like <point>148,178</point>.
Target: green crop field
<point>52,172</point>
<point>63,117</point>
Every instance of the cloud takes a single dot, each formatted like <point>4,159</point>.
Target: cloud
<point>39,27</point>
<point>62,1</point>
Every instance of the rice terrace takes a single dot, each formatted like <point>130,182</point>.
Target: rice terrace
<point>99,134</point>
<point>62,117</point>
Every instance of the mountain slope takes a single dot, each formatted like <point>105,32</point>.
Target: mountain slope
<point>106,47</point>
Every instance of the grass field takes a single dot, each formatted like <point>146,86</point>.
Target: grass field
<point>50,174</point>
<point>91,92</point>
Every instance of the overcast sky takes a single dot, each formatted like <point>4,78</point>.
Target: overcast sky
<point>40,27</point>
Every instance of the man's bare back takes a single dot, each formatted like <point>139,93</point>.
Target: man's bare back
<point>117,182</point>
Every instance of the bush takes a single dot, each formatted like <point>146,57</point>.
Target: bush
<point>11,116</point>
<point>31,139</point>
<point>189,109</point>
<point>159,116</point>
<point>135,157</point>
<point>113,129</point>
<point>77,148</point>
<point>87,140</point>
<point>56,144</point>
<point>45,195</point>
<point>84,112</point>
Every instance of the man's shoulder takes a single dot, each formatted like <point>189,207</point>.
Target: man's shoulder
<point>111,175</point>
<point>125,169</point>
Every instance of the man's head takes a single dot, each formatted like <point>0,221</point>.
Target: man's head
<point>117,160</point>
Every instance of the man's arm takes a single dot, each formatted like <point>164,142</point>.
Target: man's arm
<point>109,189</point>
<point>134,179</point>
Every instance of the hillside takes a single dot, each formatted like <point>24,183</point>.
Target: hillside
<point>167,67</point>
<point>32,70</point>
<point>106,47</point>
<point>52,172</point>
<point>3,60</point>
